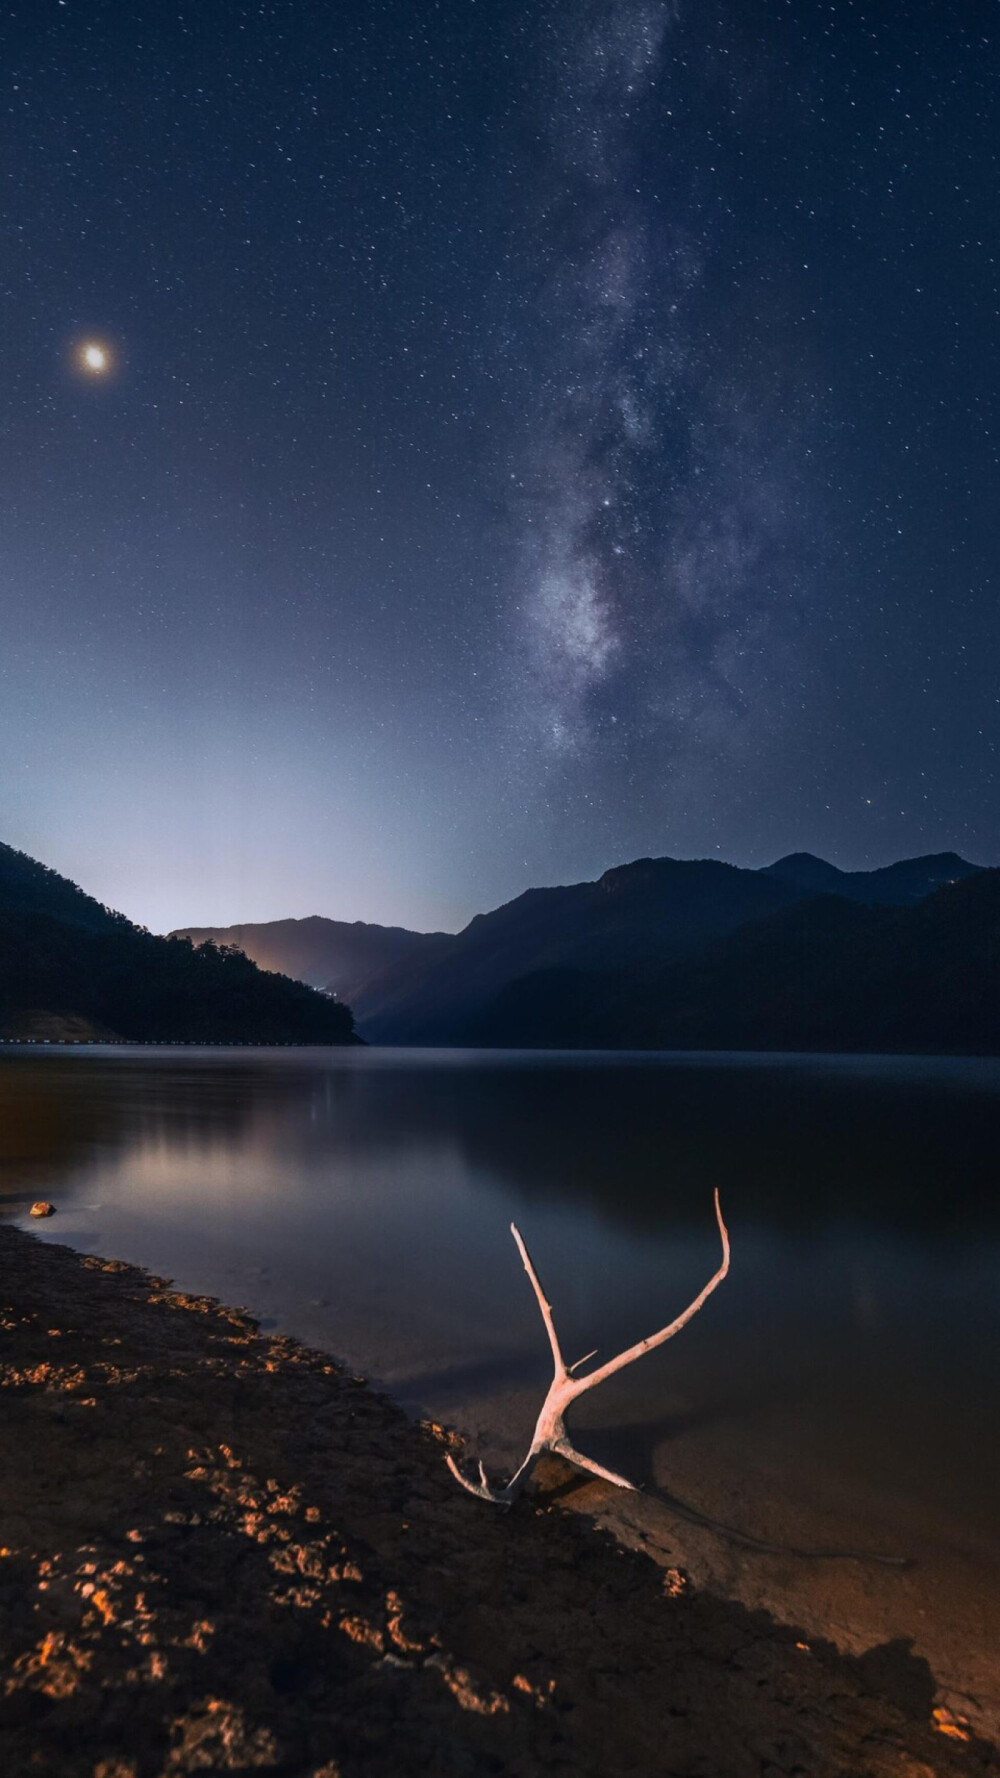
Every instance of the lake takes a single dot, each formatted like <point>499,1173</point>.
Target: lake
<point>841,1387</point>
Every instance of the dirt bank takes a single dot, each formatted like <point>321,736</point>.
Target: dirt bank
<point>218,1553</point>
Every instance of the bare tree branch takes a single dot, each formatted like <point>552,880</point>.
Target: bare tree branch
<point>543,1302</point>
<point>666,1333</point>
<point>550,1429</point>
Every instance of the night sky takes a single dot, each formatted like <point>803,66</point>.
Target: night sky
<point>516,438</point>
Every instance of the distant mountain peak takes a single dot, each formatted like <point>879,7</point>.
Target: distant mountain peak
<point>801,859</point>
<point>908,880</point>
<point>342,956</point>
<point>798,858</point>
<point>806,872</point>
<point>940,859</point>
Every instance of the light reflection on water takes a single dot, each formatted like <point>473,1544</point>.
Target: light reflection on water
<point>361,1200</point>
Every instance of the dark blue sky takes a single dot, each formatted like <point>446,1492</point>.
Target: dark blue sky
<point>535,437</point>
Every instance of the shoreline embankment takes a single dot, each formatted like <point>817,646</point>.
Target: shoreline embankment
<point>219,1551</point>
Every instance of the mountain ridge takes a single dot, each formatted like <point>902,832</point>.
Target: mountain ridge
<point>74,970</point>
<point>906,880</point>
<point>339,956</point>
<point>432,988</point>
<point>826,974</point>
<point>29,887</point>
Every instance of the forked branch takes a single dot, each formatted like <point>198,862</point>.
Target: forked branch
<point>550,1433</point>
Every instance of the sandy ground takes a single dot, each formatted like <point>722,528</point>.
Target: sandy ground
<point>219,1553</point>
<point>752,1517</point>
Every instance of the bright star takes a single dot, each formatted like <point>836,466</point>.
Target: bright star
<point>93,358</point>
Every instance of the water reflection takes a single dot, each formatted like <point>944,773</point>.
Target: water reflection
<point>901,1143</point>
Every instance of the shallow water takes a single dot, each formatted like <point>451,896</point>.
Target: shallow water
<point>361,1199</point>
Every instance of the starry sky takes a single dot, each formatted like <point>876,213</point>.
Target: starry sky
<point>459,446</point>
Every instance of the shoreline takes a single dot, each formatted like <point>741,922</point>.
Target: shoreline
<point>221,1551</point>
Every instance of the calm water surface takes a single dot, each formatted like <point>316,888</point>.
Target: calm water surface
<point>361,1199</point>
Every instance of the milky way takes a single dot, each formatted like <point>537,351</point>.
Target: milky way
<point>657,490</point>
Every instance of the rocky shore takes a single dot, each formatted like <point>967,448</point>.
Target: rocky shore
<point>220,1553</point>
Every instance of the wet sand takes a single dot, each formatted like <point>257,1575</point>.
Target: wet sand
<point>755,1514</point>
<point>222,1553</point>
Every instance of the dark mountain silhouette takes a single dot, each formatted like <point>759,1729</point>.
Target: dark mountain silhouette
<point>895,885</point>
<point>553,963</point>
<point>27,887</point>
<point>652,909</point>
<point>72,968</point>
<point>340,956</point>
<point>643,915</point>
<point>827,974</point>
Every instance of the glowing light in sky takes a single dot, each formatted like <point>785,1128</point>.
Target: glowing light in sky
<point>94,358</point>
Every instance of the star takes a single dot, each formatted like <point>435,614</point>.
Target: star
<point>93,358</point>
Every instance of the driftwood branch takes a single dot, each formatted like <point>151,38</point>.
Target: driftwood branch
<point>550,1433</point>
